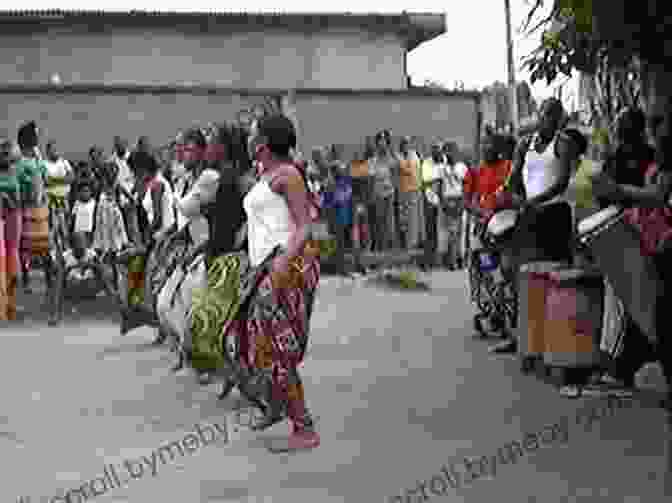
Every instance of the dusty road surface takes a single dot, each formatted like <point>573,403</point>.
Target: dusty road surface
<point>409,404</point>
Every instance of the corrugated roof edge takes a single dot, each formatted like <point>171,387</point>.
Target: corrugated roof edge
<point>414,26</point>
<point>19,88</point>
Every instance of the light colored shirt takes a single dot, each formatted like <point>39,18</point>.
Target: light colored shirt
<point>431,172</point>
<point>541,171</point>
<point>56,172</point>
<point>452,181</point>
<point>167,205</point>
<point>125,176</point>
<point>201,194</point>
<point>83,213</point>
<point>382,170</point>
<point>269,222</point>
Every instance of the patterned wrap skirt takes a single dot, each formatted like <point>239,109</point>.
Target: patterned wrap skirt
<point>263,318</point>
<point>146,276</point>
<point>4,298</point>
<point>9,260</point>
<point>35,233</point>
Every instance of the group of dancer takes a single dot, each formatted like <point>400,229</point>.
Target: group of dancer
<point>236,304</point>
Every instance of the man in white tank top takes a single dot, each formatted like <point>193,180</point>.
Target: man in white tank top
<point>543,165</point>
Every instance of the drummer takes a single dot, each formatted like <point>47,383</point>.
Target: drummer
<point>543,165</point>
<point>656,194</point>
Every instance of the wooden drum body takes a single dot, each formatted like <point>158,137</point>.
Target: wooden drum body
<point>616,247</point>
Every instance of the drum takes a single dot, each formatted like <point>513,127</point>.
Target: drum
<point>502,222</point>
<point>534,282</point>
<point>616,247</point>
<point>573,325</point>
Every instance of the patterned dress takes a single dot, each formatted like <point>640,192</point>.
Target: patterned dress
<point>10,232</point>
<point>273,323</point>
<point>32,174</point>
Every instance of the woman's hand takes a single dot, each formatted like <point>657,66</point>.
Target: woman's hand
<point>280,274</point>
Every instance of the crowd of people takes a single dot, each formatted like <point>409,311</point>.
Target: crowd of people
<point>394,197</point>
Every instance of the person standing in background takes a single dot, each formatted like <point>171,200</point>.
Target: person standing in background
<point>382,166</point>
<point>453,184</point>
<point>32,173</point>
<point>450,215</point>
<point>361,191</point>
<point>431,182</point>
<point>10,225</point>
<point>60,176</point>
<point>338,199</point>
<point>409,195</point>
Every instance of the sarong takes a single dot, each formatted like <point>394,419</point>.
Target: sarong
<point>35,234</point>
<point>3,270</point>
<point>174,302</point>
<point>146,277</point>
<point>273,328</point>
<point>228,282</point>
<point>161,263</point>
<point>12,236</point>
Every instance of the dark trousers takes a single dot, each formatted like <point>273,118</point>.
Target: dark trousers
<point>383,224</point>
<point>343,235</point>
<point>431,240</point>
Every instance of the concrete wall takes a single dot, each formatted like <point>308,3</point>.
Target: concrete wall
<point>77,120</point>
<point>273,58</point>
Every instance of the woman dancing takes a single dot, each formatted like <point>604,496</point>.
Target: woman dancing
<point>198,195</point>
<point>158,212</point>
<point>278,291</point>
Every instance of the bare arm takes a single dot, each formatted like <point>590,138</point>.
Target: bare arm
<point>203,192</point>
<point>655,195</point>
<point>157,199</point>
<point>290,185</point>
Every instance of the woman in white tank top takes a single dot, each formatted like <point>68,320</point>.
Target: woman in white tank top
<point>279,212</point>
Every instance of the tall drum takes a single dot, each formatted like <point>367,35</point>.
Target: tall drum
<point>573,323</point>
<point>616,248</point>
<point>533,281</point>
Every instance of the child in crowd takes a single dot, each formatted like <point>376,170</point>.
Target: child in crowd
<point>83,212</point>
<point>109,235</point>
<point>79,254</point>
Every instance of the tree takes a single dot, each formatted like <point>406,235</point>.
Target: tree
<point>618,45</point>
<point>497,97</point>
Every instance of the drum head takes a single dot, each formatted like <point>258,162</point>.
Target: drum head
<point>588,225</point>
<point>502,222</point>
